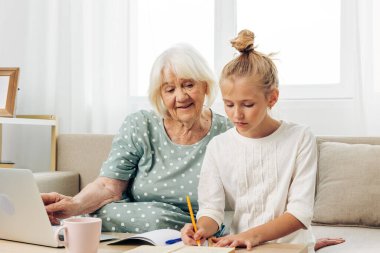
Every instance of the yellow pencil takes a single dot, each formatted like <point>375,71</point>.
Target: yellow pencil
<point>192,217</point>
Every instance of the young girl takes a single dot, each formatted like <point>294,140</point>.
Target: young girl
<point>263,168</point>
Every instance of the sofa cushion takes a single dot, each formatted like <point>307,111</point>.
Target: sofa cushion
<point>357,239</point>
<point>83,153</point>
<point>64,182</point>
<point>348,184</point>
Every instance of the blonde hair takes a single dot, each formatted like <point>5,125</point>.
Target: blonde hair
<point>251,63</point>
<point>185,62</point>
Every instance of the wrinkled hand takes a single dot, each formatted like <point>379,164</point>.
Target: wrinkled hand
<point>189,237</point>
<point>58,206</point>
<point>239,240</point>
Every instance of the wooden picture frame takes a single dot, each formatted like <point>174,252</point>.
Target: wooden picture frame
<point>8,91</point>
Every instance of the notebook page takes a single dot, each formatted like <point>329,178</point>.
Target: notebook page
<point>155,237</point>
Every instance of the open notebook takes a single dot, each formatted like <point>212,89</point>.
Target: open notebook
<point>157,237</point>
<point>180,249</point>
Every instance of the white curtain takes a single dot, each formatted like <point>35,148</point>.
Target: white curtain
<point>73,59</point>
<point>369,31</point>
<point>75,64</point>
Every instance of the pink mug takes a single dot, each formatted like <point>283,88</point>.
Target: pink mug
<point>81,235</point>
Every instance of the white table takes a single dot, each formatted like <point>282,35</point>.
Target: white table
<point>16,247</point>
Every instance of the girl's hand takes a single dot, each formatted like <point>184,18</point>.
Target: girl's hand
<point>189,237</point>
<point>240,240</point>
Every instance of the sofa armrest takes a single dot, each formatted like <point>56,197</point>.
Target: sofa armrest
<point>64,182</point>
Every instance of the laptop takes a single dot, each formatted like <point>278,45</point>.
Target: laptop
<point>23,217</point>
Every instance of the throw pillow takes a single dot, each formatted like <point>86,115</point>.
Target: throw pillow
<point>348,184</point>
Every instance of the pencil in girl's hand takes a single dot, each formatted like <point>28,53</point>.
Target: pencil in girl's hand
<point>192,217</point>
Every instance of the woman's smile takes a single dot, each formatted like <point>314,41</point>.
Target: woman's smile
<point>184,107</point>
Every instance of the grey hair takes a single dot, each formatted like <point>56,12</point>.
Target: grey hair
<point>185,62</point>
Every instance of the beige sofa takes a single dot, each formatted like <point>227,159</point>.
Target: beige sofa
<point>347,202</point>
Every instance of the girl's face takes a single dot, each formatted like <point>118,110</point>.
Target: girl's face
<point>247,106</point>
<point>183,98</point>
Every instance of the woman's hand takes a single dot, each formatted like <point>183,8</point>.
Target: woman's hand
<point>244,239</point>
<point>95,195</point>
<point>189,237</point>
<point>58,206</point>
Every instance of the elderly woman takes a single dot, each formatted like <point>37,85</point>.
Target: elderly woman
<point>156,157</point>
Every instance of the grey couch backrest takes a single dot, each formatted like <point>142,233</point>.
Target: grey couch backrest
<point>85,153</point>
<point>350,140</point>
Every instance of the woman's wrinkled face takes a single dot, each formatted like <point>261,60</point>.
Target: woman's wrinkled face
<point>183,98</point>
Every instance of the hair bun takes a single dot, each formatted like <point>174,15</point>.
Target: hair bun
<point>244,41</point>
